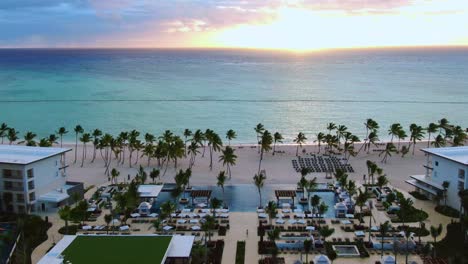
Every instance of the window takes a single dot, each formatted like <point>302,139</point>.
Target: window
<point>31,185</point>
<point>461,174</point>
<point>13,174</point>
<point>437,163</point>
<point>30,173</point>
<point>7,173</point>
<point>19,198</point>
<point>32,197</point>
<point>461,186</point>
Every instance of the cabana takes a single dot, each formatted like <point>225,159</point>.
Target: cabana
<point>144,208</point>
<point>200,194</point>
<point>149,192</point>
<point>285,194</point>
<point>340,210</point>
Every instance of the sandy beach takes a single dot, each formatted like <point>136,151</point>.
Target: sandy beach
<point>278,167</point>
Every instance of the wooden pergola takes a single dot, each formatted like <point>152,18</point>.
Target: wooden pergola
<point>201,193</point>
<point>285,194</point>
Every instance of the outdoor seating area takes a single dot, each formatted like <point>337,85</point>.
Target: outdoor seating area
<point>321,163</point>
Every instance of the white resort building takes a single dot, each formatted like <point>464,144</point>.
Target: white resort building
<point>443,165</point>
<point>34,179</point>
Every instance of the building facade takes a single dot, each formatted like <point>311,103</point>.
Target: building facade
<point>444,166</point>
<point>33,179</point>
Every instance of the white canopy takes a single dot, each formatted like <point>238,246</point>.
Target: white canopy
<point>86,227</point>
<point>167,228</point>
<point>124,228</point>
<point>195,227</point>
<point>388,259</point>
<point>201,205</point>
<point>321,259</point>
<point>262,215</point>
<point>310,228</point>
<point>279,221</point>
<point>149,190</point>
<point>135,215</point>
<point>153,215</point>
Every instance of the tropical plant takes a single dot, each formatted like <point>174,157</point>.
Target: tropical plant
<point>228,157</point>
<point>154,174</point>
<point>29,139</point>
<point>435,232</point>
<point>259,181</point>
<point>3,131</point>
<point>259,128</point>
<point>167,208</point>
<point>277,138</point>
<point>302,184</point>
<point>12,135</point>
<point>52,139</point>
<point>64,213</point>
<point>270,209</point>
<point>114,175</point>
<point>382,181</point>
<point>96,134</point>
<point>416,134</point>
<point>78,130</point>
<point>387,152</point>
<point>108,220</point>
<point>384,229</point>
<point>431,129</point>
<point>325,232</point>
<point>299,140</point>
<point>439,142</point>
<point>215,203</point>
<point>85,139</point>
<point>314,203</point>
<point>307,248</point>
<point>221,180</point>
<point>319,140</point>
<point>230,135</point>
<point>265,146</point>
<point>187,133</point>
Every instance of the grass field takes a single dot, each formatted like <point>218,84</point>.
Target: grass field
<point>117,249</point>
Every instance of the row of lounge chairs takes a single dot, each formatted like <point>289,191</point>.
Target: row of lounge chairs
<point>321,164</point>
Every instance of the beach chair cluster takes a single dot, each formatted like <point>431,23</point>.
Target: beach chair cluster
<point>192,220</point>
<point>321,163</point>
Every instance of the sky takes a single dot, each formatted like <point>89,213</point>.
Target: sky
<point>263,24</point>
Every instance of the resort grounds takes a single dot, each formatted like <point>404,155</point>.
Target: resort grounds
<point>279,173</point>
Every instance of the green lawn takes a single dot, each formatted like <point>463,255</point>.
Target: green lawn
<point>117,249</point>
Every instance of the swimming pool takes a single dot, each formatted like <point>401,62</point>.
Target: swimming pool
<point>245,198</point>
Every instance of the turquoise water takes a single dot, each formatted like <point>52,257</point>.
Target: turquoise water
<point>154,90</point>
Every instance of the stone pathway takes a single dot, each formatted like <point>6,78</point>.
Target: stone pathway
<point>239,223</point>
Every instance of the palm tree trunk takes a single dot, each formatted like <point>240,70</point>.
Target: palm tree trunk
<point>260,162</point>
<point>84,153</point>
<point>76,146</point>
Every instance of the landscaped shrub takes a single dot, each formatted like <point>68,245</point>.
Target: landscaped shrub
<point>240,252</point>
<point>72,229</point>
<point>419,195</point>
<point>222,231</point>
<point>413,215</point>
<point>447,211</point>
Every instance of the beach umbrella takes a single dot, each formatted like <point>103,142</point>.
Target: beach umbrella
<point>388,259</point>
<point>322,259</point>
<point>124,228</point>
<point>194,221</point>
<point>279,221</point>
<point>181,221</point>
<point>153,215</point>
<point>310,228</point>
<point>115,222</point>
<point>262,215</point>
<point>86,227</point>
<point>201,205</point>
<point>135,215</point>
<point>167,228</point>
<point>195,227</point>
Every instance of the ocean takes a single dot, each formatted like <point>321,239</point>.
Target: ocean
<point>154,90</point>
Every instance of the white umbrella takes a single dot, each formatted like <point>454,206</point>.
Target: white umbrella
<point>301,221</point>
<point>186,210</point>
<point>310,228</point>
<point>345,222</point>
<point>388,259</point>
<point>194,221</point>
<point>225,215</point>
<point>301,215</point>
<point>321,259</point>
<point>153,215</point>
<point>298,210</point>
<point>286,211</point>
<point>285,205</point>
<point>195,227</point>
<point>86,227</point>
<point>201,205</point>
<point>260,210</point>
<point>292,221</point>
<point>135,215</point>
<point>124,228</point>
<point>279,221</point>
<point>359,233</point>
<point>181,221</point>
<point>349,215</point>
<point>262,215</point>
<point>167,228</point>
<point>115,222</point>
<point>202,215</point>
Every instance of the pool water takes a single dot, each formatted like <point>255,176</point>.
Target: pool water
<point>245,197</point>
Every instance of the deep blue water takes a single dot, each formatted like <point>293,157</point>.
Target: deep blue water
<point>154,90</point>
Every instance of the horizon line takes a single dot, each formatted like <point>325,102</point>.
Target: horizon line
<point>409,47</point>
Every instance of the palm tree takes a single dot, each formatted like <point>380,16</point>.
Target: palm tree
<point>361,200</point>
<point>389,149</point>
<point>193,151</point>
<point>444,124</point>
<point>372,139</point>
<point>64,214</point>
<point>12,135</point>
<point>270,209</point>
<point>274,234</point>
<point>302,184</point>
<point>265,146</point>
<point>340,132</point>
<point>215,203</point>
<point>167,208</point>
<point>108,220</point>
<point>114,174</point>
<point>400,135</point>
<point>259,181</point>
<point>3,130</point>
<point>322,209</point>
<point>148,151</point>
<point>320,139</point>
<point>307,248</point>
<point>299,140</point>
<point>230,135</point>
<point>187,134</point>
<point>394,130</point>
<point>259,128</point>
<point>439,142</point>
<point>384,228</point>
<point>78,130</point>
<point>208,225</point>
<point>85,139</point>
<point>431,129</point>
<point>154,174</point>
<point>61,132</point>
<point>44,142</point>
<point>435,232</point>
<point>407,236</point>
<point>156,224</point>
<point>277,138</point>
<point>214,143</point>
<point>382,181</point>
<point>325,232</point>
<point>228,157</point>
<point>221,180</point>
<point>52,139</point>
<point>445,185</point>
<point>330,127</point>
<point>96,134</point>
<point>29,139</point>
<point>314,203</point>
<point>311,186</point>
<point>416,134</point>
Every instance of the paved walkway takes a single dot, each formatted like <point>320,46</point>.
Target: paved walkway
<point>239,223</point>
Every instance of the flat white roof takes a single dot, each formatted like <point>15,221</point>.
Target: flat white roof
<point>180,246</point>
<point>149,190</point>
<point>23,155</point>
<point>53,256</point>
<point>457,154</point>
<point>54,196</point>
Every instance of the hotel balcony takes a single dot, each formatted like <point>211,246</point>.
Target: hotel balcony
<point>425,183</point>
